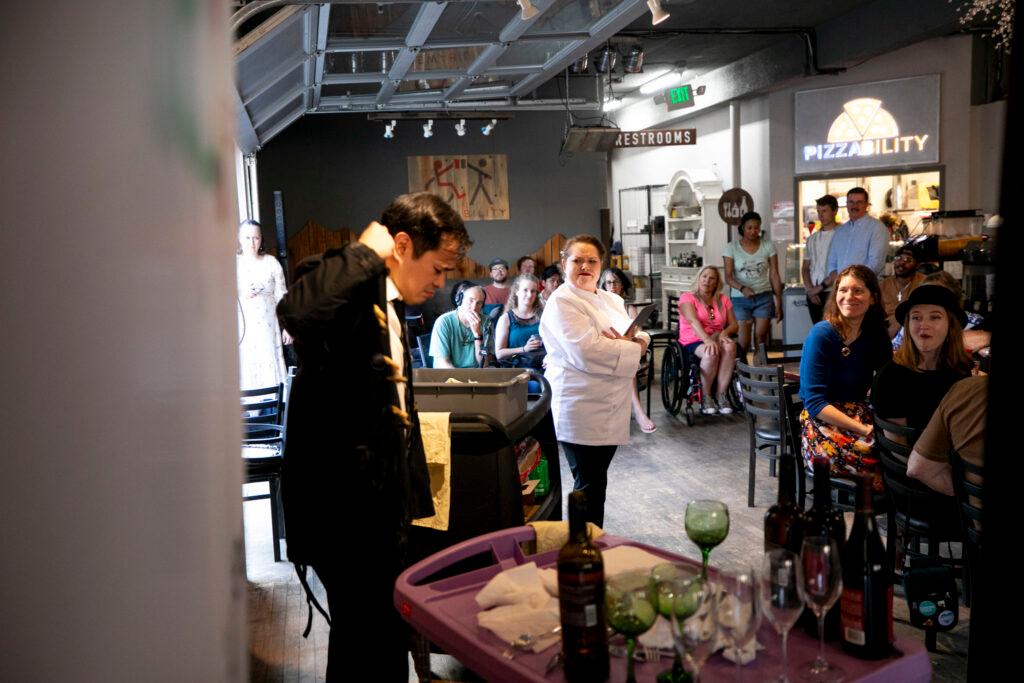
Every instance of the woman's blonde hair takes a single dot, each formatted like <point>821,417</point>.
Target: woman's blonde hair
<point>696,281</point>
<point>513,297</point>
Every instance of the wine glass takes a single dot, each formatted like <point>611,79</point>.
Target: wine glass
<point>780,596</point>
<point>707,525</point>
<point>695,636</point>
<point>739,612</point>
<point>820,583</point>
<point>630,608</point>
<point>672,585</point>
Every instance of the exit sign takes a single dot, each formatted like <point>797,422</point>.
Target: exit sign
<point>679,98</point>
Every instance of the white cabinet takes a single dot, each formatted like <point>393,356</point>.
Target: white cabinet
<point>694,232</point>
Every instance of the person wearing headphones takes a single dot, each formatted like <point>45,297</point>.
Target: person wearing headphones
<point>457,339</point>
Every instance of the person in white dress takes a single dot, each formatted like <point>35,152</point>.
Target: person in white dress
<point>260,287</point>
<point>591,367</point>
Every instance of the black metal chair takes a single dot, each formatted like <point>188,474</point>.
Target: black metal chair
<point>263,437</point>
<point>792,406</point>
<point>762,391</point>
<point>916,512</point>
<point>423,345</point>
<point>968,485</point>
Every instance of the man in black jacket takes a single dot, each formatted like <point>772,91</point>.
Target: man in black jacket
<point>354,469</point>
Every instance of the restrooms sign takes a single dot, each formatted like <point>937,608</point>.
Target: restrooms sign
<point>867,126</point>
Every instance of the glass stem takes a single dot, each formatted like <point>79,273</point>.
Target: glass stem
<point>785,656</point>
<point>630,647</point>
<point>821,640</point>
<point>706,552</point>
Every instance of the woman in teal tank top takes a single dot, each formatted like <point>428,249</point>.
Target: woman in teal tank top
<point>516,338</point>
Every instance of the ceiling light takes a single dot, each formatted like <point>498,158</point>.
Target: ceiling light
<point>658,15</point>
<point>612,104</point>
<point>428,128</point>
<point>605,61</point>
<point>529,10</point>
<point>486,130</point>
<point>460,127</point>
<point>633,63</point>
<point>660,83</point>
<point>389,130</point>
<point>580,65</point>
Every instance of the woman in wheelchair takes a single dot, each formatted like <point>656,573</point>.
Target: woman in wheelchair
<point>517,341</point>
<point>706,320</point>
<point>615,281</point>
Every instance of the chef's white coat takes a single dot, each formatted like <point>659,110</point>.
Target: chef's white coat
<point>590,375</point>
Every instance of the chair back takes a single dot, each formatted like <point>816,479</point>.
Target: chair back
<point>921,505</point>
<point>762,391</point>
<point>790,354</point>
<point>262,407</point>
<point>968,484</point>
<point>792,406</point>
<point>673,313</point>
<point>423,344</point>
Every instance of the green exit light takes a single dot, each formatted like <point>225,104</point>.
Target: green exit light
<point>679,98</point>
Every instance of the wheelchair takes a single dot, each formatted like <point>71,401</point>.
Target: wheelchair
<point>681,389</point>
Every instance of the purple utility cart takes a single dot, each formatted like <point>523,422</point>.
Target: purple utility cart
<point>437,599</point>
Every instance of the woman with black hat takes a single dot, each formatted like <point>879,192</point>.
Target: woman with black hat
<point>928,362</point>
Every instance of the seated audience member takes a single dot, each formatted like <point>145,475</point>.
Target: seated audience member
<point>526,266</point>
<point>976,337</point>
<point>517,342</point>
<point>457,289</point>
<point>498,290</point>
<point>705,322</point>
<point>550,280</point>
<point>457,338</point>
<point>840,357</point>
<point>897,288</point>
<point>930,360</point>
<point>957,425</point>
<point>615,281</point>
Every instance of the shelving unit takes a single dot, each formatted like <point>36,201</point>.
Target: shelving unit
<point>642,233</point>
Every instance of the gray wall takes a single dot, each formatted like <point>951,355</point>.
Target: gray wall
<point>340,171</point>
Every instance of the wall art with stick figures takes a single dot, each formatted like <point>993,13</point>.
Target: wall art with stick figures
<point>476,185</point>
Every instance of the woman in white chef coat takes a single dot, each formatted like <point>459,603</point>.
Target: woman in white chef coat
<point>590,366</point>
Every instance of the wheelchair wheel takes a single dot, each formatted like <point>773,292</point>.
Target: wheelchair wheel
<point>690,415</point>
<point>673,379</point>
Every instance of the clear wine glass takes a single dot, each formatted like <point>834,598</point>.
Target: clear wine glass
<point>739,612</point>
<point>672,585</point>
<point>694,636</point>
<point>631,609</point>
<point>780,596</point>
<point>707,525</point>
<point>820,584</point>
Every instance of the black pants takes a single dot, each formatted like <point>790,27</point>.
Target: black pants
<point>368,637</point>
<point>589,467</point>
<point>817,310</point>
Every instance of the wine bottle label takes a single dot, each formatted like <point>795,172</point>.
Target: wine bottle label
<point>580,595</point>
<point>852,615</point>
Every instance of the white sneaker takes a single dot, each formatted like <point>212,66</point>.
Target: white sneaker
<point>723,406</point>
<point>709,410</point>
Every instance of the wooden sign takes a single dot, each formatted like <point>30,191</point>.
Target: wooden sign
<point>733,204</point>
<point>656,138</point>
<point>476,185</point>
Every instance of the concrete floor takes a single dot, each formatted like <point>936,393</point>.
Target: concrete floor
<point>650,481</point>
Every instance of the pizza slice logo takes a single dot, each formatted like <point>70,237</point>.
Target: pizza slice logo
<point>863,119</point>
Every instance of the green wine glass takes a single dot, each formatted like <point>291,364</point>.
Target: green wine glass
<point>675,588</point>
<point>631,610</point>
<point>707,525</point>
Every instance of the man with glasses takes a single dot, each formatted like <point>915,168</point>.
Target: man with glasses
<point>897,288</point>
<point>863,239</point>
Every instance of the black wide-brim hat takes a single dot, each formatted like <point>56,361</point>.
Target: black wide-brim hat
<point>936,295</point>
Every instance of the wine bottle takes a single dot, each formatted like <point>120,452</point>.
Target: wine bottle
<point>782,527</point>
<point>866,602</point>
<point>581,600</point>
<point>824,520</point>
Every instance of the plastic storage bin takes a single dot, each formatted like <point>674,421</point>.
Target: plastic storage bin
<point>498,392</point>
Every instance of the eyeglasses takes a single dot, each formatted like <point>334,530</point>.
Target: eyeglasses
<point>614,282</point>
<point>578,262</point>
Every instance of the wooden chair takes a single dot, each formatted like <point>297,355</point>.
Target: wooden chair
<point>263,437</point>
<point>762,389</point>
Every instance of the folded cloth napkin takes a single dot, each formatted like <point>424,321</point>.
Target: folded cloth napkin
<point>437,446</point>
<point>553,535</point>
<point>728,609</point>
<point>519,605</point>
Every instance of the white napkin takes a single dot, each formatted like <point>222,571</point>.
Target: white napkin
<point>521,605</point>
<point>746,654</point>
<point>624,558</point>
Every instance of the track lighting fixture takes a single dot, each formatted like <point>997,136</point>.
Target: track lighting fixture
<point>580,65</point>
<point>460,127</point>
<point>428,128</point>
<point>389,129</point>
<point>658,15</point>
<point>633,63</point>
<point>486,130</point>
<point>605,60</point>
<point>528,9</point>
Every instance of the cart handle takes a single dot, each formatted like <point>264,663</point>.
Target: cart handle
<point>504,547</point>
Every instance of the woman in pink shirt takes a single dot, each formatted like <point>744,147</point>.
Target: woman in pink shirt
<point>706,320</point>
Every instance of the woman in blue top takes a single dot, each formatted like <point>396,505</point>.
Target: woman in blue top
<point>517,341</point>
<point>840,357</point>
<point>752,270</point>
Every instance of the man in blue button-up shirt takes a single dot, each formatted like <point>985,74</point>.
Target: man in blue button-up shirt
<point>862,239</point>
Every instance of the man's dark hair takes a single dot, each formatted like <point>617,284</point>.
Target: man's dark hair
<point>859,190</point>
<point>551,270</point>
<point>829,201</point>
<point>426,218</point>
<point>519,262</point>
